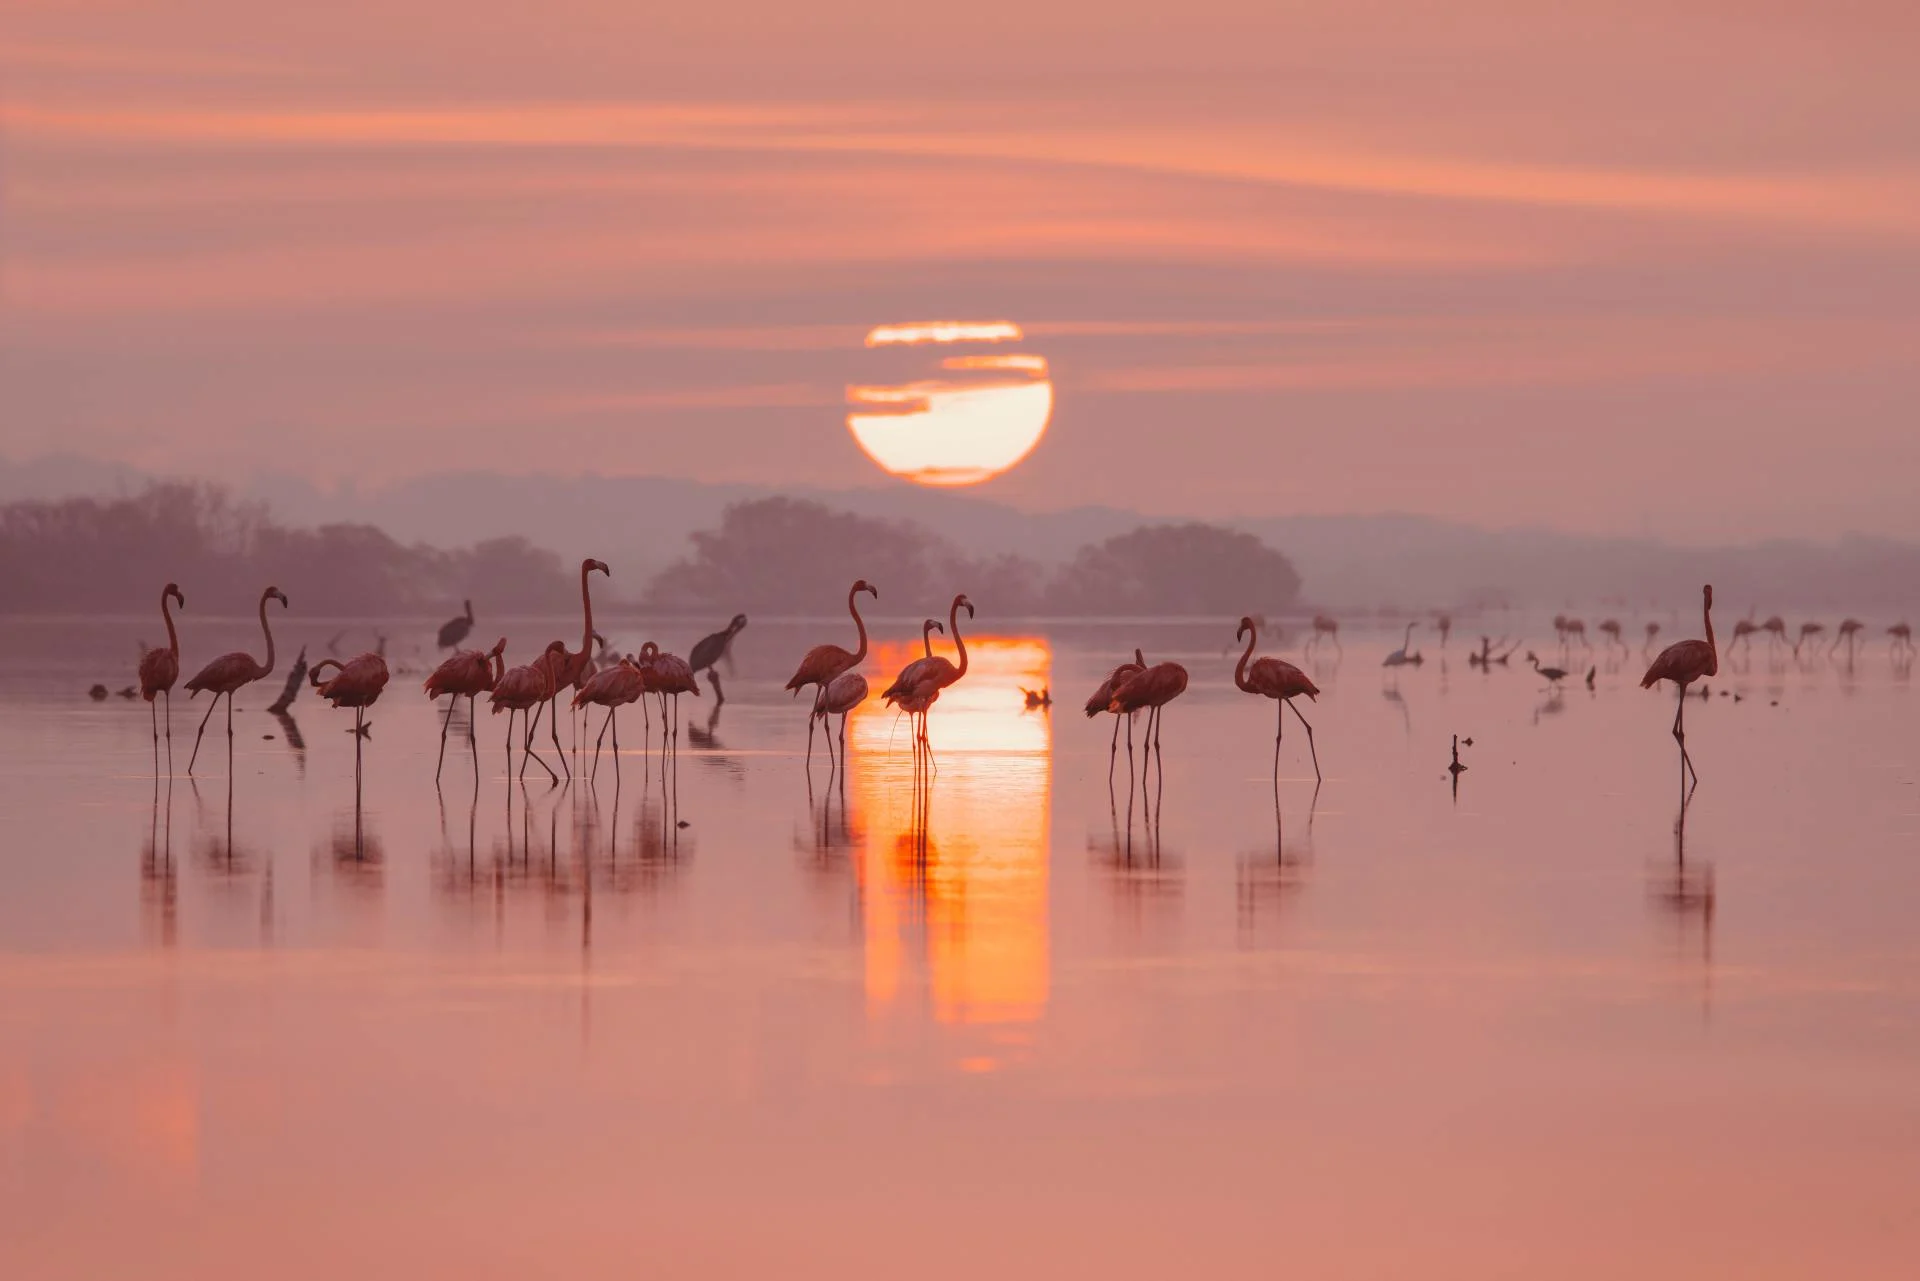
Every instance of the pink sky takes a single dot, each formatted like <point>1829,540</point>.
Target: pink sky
<point>1648,268</point>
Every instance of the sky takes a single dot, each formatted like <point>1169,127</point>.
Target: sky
<point>1609,267</point>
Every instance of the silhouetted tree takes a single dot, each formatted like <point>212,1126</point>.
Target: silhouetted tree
<point>1176,569</point>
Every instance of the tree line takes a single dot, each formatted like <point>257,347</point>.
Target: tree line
<point>775,555</point>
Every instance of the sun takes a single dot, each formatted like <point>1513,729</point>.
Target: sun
<point>970,417</point>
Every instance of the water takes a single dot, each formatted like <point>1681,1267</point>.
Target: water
<point>1384,1031</point>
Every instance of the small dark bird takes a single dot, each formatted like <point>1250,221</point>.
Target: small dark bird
<point>129,691</point>
<point>455,629</point>
<point>1456,768</point>
<point>1554,675</point>
<point>1037,697</point>
<point>98,693</point>
<point>709,650</point>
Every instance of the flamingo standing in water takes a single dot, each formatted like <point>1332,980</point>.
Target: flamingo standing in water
<point>839,697</point>
<point>1902,636</point>
<point>1102,700</point>
<point>1807,632</point>
<point>524,690</point>
<point>1610,628</point>
<point>1150,690</point>
<point>668,674</point>
<point>471,672</point>
<point>1575,629</point>
<point>1400,657</point>
<point>1683,663</point>
<point>613,688</point>
<point>709,650</point>
<point>1743,631</point>
<point>824,662</point>
<point>569,668</point>
<point>455,629</point>
<point>357,685</point>
<point>1280,681</point>
<point>1849,629</point>
<point>920,683</point>
<point>159,669</point>
<point>909,693</point>
<point>228,673</point>
<point>1325,628</point>
<point>1653,630</point>
<point>1776,629</point>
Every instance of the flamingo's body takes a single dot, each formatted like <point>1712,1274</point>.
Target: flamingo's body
<point>1325,628</point>
<point>1610,628</point>
<point>1902,635</point>
<point>1743,631</point>
<point>522,689</point>
<point>1553,675</point>
<point>822,663</point>
<point>1807,632</point>
<point>357,684</point>
<point>669,674</point>
<point>1776,627</point>
<point>1150,690</point>
<point>1400,657</point>
<point>569,668</point>
<point>709,650</point>
<point>469,672</point>
<point>159,669</point>
<point>228,673</point>
<point>1653,630</point>
<point>1683,663</point>
<point>838,698</point>
<point>920,682</point>
<point>455,629</point>
<point>1278,680</point>
<point>1574,629</point>
<point>613,688</point>
<point>1848,630</point>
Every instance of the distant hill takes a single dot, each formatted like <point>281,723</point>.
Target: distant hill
<point>1386,562</point>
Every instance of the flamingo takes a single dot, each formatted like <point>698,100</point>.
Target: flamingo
<point>1743,631</point>
<point>524,689</point>
<point>569,669</point>
<point>1807,632</point>
<point>1151,689</point>
<point>1327,628</point>
<point>1280,681</point>
<point>1849,629</point>
<point>471,672</point>
<point>455,629</point>
<point>1683,663</point>
<point>1554,675</point>
<point>1574,628</point>
<point>709,650</point>
<point>824,662</point>
<point>358,685</point>
<point>1103,698</point>
<point>1443,621</point>
<point>1400,657</point>
<point>1902,637</point>
<point>908,693</point>
<point>612,688</point>
<point>228,673</point>
<point>1776,626</point>
<point>840,696</point>
<point>1653,630</point>
<point>920,683</point>
<point>669,674</point>
<point>1610,628</point>
<point>159,669</point>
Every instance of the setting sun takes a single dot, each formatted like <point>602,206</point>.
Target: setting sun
<point>972,417</point>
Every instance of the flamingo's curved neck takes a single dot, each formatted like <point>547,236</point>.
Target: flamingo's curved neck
<point>166,612</point>
<point>853,607</point>
<point>926,635</point>
<point>1407,639</point>
<point>497,664</point>
<point>1240,668</point>
<point>469,605</point>
<point>268,665</point>
<point>586,608</point>
<point>953,625</point>
<point>1713,649</point>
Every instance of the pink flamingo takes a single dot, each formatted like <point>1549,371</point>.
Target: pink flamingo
<point>471,672</point>
<point>523,690</point>
<point>1683,663</point>
<point>570,669</point>
<point>839,697</point>
<point>357,685</point>
<point>920,683</point>
<point>824,662</point>
<point>1325,628</point>
<point>1902,635</point>
<point>910,691</point>
<point>228,673</point>
<point>612,688</point>
<point>669,674</point>
<point>1280,681</point>
<point>1103,698</point>
<point>159,669</point>
<point>1150,690</point>
<point>1849,629</point>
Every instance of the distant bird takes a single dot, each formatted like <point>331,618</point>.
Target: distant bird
<point>1400,657</point>
<point>1653,630</point>
<point>1325,628</point>
<point>1280,681</point>
<point>1850,628</point>
<point>1683,663</point>
<point>228,673</point>
<point>1610,628</point>
<point>613,688</point>
<point>1457,768</point>
<point>159,669</point>
<point>98,693</point>
<point>1776,627</point>
<point>1150,691</point>
<point>1743,631</point>
<point>455,629</point>
<point>1590,674</point>
<point>1037,698</point>
<point>1443,622</point>
<point>524,689</point>
<point>1574,629</point>
<point>1807,632</point>
<point>569,668</point>
<point>839,697</point>
<point>921,681</point>
<point>1554,675</point>
<point>709,650</point>
<point>1902,637</point>
<point>1102,700</point>
<point>824,662</point>
<point>471,672</point>
<point>357,685</point>
<point>668,674</point>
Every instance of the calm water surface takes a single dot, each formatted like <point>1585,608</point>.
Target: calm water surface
<point>702,1021</point>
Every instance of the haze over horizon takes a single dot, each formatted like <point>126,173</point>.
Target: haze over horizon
<point>1613,269</point>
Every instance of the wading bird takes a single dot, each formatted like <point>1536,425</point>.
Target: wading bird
<point>471,672</point>
<point>1280,681</point>
<point>159,669</point>
<point>1574,629</point>
<point>824,662</point>
<point>1150,690</point>
<point>455,629</point>
<point>612,687</point>
<point>1807,632</point>
<point>1653,630</point>
<point>1400,657</point>
<point>1849,629</point>
<point>568,668</point>
<point>1610,628</point>
<point>839,697</point>
<point>1554,675</point>
<point>357,685</point>
<point>921,681</point>
<point>708,652</point>
<point>1683,663</point>
<point>523,690</point>
<point>1325,628</point>
<point>1743,631</point>
<point>668,674</point>
<point>1102,702</point>
<point>1776,629</point>
<point>228,673</point>
<point>1902,636</point>
<point>908,693</point>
